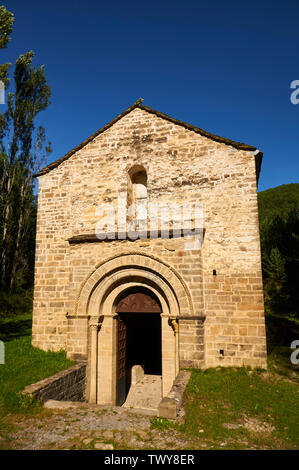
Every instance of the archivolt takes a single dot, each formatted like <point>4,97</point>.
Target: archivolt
<point>110,277</point>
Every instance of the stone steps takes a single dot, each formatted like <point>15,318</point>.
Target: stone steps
<point>145,394</point>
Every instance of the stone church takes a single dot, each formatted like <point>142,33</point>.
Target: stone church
<point>133,301</point>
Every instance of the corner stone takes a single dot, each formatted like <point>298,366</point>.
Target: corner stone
<point>167,408</point>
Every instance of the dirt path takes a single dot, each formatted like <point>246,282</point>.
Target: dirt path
<point>88,427</point>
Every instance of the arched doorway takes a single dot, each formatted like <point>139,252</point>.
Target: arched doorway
<point>97,301</point>
<point>138,338</point>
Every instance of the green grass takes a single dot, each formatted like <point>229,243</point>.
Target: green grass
<point>24,364</point>
<point>232,395</point>
<point>162,423</point>
<point>235,395</point>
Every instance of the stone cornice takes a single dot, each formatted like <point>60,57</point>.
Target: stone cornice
<point>111,236</point>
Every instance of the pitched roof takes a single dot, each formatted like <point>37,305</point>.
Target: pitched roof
<point>216,138</point>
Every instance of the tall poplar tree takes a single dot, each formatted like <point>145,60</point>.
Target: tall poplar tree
<point>23,150</point>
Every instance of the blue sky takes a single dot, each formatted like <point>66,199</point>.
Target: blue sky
<point>224,66</point>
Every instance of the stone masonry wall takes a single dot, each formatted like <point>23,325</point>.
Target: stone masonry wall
<point>67,385</point>
<point>182,166</point>
<point>191,342</point>
<point>235,325</point>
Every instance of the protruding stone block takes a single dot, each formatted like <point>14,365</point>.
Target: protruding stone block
<point>168,408</point>
<point>137,372</point>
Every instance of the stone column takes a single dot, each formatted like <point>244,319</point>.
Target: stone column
<point>175,326</point>
<point>107,362</point>
<point>93,331</point>
<point>169,362</point>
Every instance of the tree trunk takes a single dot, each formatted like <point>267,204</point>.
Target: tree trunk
<point>21,220</point>
<point>5,225</point>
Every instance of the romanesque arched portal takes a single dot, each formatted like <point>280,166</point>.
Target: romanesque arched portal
<point>99,299</point>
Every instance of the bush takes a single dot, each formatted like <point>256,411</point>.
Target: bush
<point>16,303</point>
<point>280,247</point>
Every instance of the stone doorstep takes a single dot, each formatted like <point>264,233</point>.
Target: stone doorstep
<point>65,405</point>
<point>170,405</point>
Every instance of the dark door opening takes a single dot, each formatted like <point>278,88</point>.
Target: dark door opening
<point>138,338</point>
<point>143,345</point>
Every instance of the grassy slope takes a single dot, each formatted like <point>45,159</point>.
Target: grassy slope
<point>278,201</point>
<point>23,363</point>
<point>240,408</point>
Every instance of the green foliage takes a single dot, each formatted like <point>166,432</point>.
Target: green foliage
<point>22,152</point>
<point>279,233</point>
<point>281,331</point>
<point>6,22</point>
<point>16,326</point>
<point>15,303</point>
<point>274,265</point>
<point>278,201</point>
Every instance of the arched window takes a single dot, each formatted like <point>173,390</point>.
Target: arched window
<point>137,197</point>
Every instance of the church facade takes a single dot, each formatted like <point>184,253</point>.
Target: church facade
<point>124,292</point>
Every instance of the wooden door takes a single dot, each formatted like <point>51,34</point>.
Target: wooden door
<point>121,362</point>
<point>139,302</point>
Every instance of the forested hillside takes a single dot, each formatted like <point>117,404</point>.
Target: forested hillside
<point>279,229</point>
<point>278,201</point>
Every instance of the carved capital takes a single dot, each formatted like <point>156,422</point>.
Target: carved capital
<point>95,323</point>
<point>173,322</point>
<point>93,326</point>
